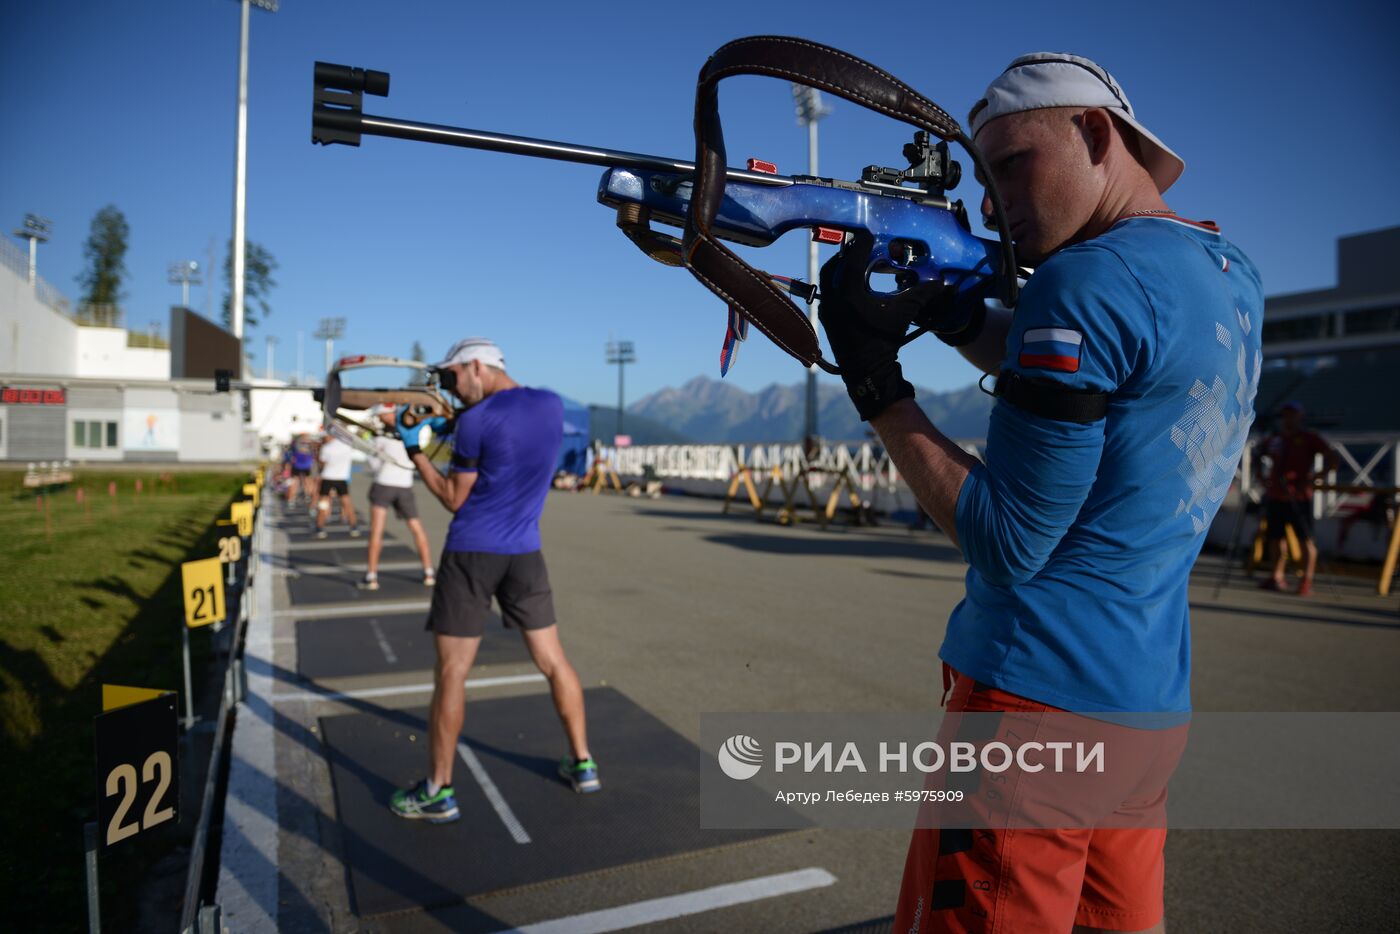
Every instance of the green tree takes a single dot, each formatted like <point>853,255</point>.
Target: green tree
<point>258,266</point>
<point>105,254</point>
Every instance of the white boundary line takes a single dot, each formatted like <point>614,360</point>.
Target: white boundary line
<point>493,794</point>
<point>352,609</point>
<point>471,684</point>
<point>656,910</point>
<point>384,646</point>
<point>248,875</point>
<point>358,568</point>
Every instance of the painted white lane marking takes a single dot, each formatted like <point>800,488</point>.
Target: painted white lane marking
<point>384,646</point>
<point>493,794</point>
<point>248,875</point>
<point>656,910</point>
<point>471,684</point>
<point>341,569</point>
<point>353,609</point>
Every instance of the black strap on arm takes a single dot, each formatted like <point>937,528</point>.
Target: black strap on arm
<point>464,463</point>
<point>1052,400</point>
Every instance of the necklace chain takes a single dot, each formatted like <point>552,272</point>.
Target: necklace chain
<point>1144,213</point>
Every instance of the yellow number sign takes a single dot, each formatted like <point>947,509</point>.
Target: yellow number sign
<point>242,514</point>
<point>120,695</point>
<point>230,549</point>
<point>203,585</point>
<point>251,489</point>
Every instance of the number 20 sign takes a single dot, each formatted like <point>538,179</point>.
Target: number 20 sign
<point>137,768</point>
<point>203,585</point>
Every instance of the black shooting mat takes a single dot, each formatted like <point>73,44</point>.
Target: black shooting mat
<point>394,586</point>
<point>353,553</point>
<point>648,808</point>
<point>370,644</point>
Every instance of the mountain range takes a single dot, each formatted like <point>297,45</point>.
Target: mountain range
<point>709,411</point>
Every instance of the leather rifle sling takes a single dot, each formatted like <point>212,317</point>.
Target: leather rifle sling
<point>719,268</point>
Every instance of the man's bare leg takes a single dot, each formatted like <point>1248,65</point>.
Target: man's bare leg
<point>1310,549</point>
<point>377,517</point>
<point>1280,561</point>
<point>449,707</point>
<point>420,539</point>
<point>548,655</point>
<point>347,509</point>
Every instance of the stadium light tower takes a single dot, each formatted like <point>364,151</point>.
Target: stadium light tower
<point>810,109</point>
<point>36,231</point>
<point>329,330</point>
<point>271,343</point>
<point>240,169</point>
<point>183,274</point>
<point>620,353</point>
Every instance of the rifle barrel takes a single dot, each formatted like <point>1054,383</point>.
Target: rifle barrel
<point>544,149</point>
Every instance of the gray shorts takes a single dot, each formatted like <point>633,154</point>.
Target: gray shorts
<point>400,497</point>
<point>467,580</point>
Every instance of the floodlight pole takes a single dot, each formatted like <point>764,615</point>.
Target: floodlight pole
<point>271,343</point>
<point>620,353</point>
<point>183,274</point>
<point>810,109</point>
<point>240,170</point>
<point>330,329</point>
<point>36,231</point>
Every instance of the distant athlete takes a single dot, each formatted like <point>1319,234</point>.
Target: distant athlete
<point>337,458</point>
<point>302,459</point>
<point>393,486</point>
<point>506,445</point>
<point>1291,452</point>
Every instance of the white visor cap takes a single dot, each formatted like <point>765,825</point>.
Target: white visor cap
<point>1058,79</point>
<point>474,348</point>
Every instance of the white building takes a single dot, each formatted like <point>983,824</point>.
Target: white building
<point>77,386</point>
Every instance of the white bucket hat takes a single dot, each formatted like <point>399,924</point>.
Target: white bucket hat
<point>474,348</point>
<point>1058,79</point>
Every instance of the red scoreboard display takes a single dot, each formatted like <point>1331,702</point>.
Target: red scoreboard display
<point>16,395</point>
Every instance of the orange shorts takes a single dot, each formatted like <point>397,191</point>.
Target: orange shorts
<point>1023,881</point>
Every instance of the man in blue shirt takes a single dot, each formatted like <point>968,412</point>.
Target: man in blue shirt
<point>506,444</point>
<point>1125,384</point>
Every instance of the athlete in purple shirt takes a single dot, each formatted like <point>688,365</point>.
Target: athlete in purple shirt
<point>503,459</point>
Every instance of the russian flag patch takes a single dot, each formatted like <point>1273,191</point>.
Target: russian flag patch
<point>1051,349</point>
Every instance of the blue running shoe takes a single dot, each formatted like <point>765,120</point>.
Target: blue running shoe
<point>583,776</point>
<point>416,804</point>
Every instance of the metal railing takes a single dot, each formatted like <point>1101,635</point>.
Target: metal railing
<point>1367,460</point>
<point>98,315</point>
<point>866,461</point>
<point>17,260</point>
<point>196,915</point>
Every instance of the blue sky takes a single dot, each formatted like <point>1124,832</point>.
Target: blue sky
<point>1287,120</point>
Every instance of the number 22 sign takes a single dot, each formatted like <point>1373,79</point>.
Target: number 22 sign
<point>203,586</point>
<point>137,769</point>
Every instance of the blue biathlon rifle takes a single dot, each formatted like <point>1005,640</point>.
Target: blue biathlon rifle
<point>918,233</point>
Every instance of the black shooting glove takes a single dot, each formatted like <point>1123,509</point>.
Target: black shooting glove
<point>866,330</point>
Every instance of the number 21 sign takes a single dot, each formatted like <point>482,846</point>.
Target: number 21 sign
<point>203,585</point>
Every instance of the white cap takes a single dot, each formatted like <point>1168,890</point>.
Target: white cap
<point>1058,79</point>
<point>474,348</point>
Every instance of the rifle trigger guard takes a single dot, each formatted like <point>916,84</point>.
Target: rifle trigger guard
<point>634,220</point>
